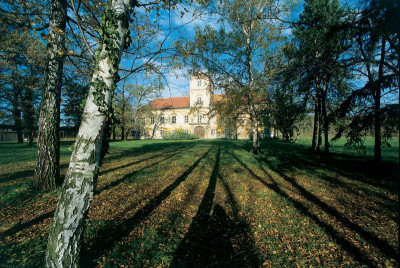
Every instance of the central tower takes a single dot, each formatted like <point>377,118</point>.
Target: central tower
<point>200,91</point>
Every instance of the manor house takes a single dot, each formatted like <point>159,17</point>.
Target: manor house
<point>192,113</point>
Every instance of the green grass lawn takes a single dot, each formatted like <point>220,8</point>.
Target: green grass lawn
<point>213,204</point>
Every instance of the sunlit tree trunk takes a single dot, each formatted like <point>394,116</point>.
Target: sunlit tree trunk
<point>47,170</point>
<point>66,231</point>
<point>255,136</point>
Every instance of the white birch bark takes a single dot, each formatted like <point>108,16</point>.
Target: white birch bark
<point>66,231</point>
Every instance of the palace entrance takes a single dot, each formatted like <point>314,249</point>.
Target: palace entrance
<point>200,131</point>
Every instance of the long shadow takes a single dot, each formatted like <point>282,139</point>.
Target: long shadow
<point>385,247</point>
<point>244,253</point>
<point>139,161</point>
<point>21,226</point>
<point>359,168</point>
<point>115,231</point>
<point>130,175</point>
<point>147,148</point>
<point>330,230</point>
<point>6,177</point>
<point>208,241</point>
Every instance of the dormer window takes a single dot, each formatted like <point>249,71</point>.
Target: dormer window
<point>199,83</point>
<point>199,100</point>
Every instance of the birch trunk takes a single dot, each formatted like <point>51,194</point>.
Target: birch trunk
<point>65,236</point>
<point>256,144</point>
<point>47,170</point>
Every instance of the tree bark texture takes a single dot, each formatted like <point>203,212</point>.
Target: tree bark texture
<point>47,170</point>
<point>16,112</point>
<point>315,129</point>
<point>255,136</point>
<point>325,120</point>
<point>320,117</point>
<point>29,115</point>
<point>377,87</point>
<point>65,236</point>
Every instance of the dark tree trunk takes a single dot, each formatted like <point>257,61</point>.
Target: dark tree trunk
<point>377,128</point>
<point>325,121</point>
<point>316,123</point>
<point>122,133</point>
<point>113,132</point>
<point>16,113</point>
<point>29,115</point>
<point>377,107</point>
<point>47,170</point>
<point>319,143</point>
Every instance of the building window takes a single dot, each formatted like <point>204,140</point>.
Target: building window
<point>199,118</point>
<point>199,83</point>
<point>162,132</point>
<point>186,119</point>
<point>186,131</point>
<point>173,119</point>
<point>143,121</point>
<point>162,119</point>
<point>152,120</point>
<point>199,100</point>
<point>212,132</point>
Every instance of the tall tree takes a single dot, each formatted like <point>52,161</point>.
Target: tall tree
<point>47,170</point>
<point>321,45</point>
<point>376,53</point>
<point>20,60</point>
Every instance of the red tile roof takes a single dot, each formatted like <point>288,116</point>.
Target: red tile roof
<point>217,98</point>
<point>177,102</point>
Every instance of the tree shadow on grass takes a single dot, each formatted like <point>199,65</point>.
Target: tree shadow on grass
<point>329,229</point>
<point>116,230</point>
<point>289,157</point>
<point>6,177</point>
<point>25,225</point>
<point>147,148</point>
<point>383,245</point>
<point>130,175</point>
<point>208,241</point>
<point>103,172</point>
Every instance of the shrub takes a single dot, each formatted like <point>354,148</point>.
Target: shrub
<point>180,134</point>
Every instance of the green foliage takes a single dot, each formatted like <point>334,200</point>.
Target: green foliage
<point>180,134</point>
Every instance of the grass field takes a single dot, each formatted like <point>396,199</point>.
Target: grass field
<point>214,204</point>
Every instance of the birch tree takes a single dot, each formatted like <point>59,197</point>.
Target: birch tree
<point>66,231</point>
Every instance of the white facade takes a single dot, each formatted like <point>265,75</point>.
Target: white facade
<point>191,114</point>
